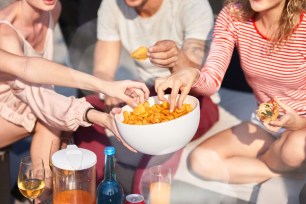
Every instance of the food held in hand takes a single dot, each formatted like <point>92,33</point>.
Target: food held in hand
<point>145,114</point>
<point>268,111</point>
<point>140,53</point>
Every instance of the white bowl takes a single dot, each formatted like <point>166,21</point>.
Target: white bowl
<point>161,138</point>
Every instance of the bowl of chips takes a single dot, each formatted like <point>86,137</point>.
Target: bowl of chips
<point>151,129</point>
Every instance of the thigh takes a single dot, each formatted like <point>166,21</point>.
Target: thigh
<point>245,139</point>
<point>10,133</point>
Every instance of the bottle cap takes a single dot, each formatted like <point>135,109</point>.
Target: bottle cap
<point>110,150</point>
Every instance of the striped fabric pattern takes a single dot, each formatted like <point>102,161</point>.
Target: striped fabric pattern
<point>280,73</point>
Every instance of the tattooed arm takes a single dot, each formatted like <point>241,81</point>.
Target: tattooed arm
<point>194,54</point>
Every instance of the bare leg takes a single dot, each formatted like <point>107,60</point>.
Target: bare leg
<point>42,139</point>
<point>41,144</point>
<point>287,154</point>
<point>11,133</point>
<point>231,155</point>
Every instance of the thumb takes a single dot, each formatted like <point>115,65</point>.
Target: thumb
<point>130,101</point>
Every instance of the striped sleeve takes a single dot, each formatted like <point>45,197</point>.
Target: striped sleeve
<point>219,55</point>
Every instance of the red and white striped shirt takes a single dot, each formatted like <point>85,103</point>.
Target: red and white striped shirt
<point>281,73</point>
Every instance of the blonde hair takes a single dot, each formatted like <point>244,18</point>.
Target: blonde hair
<point>290,17</point>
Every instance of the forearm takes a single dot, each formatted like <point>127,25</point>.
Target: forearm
<point>192,54</point>
<point>97,117</point>
<point>106,59</point>
<point>60,75</point>
<point>56,110</point>
<point>183,62</point>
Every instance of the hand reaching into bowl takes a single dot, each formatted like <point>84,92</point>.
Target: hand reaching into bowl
<point>180,81</point>
<point>131,92</point>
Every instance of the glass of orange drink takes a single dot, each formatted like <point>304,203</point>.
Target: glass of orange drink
<point>160,185</point>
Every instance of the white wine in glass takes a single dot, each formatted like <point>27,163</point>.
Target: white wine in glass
<point>31,177</point>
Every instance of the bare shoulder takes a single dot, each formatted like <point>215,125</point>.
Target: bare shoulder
<point>9,39</point>
<point>8,16</point>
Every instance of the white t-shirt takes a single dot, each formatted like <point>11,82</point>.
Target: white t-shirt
<point>175,20</point>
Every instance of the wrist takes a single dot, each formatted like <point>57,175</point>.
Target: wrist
<point>197,74</point>
<point>87,117</point>
<point>184,61</point>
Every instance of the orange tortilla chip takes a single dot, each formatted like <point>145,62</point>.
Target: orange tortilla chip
<point>140,53</point>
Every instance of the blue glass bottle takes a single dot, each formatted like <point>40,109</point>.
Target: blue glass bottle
<point>109,191</point>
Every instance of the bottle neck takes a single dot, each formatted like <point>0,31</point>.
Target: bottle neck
<point>109,168</point>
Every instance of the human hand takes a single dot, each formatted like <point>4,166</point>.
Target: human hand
<point>131,92</point>
<point>164,53</point>
<point>291,120</point>
<point>112,102</point>
<point>180,81</point>
<point>107,120</point>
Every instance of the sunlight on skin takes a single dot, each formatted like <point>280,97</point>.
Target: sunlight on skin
<point>201,168</point>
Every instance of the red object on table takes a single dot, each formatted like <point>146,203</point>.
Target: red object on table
<point>134,199</point>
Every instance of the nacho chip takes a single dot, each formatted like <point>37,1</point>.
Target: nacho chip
<point>140,53</point>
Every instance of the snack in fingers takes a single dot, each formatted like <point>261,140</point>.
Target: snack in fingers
<point>140,53</point>
<point>268,111</point>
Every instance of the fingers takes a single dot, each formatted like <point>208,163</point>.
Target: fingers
<point>162,46</point>
<point>164,63</point>
<point>115,130</point>
<point>134,85</point>
<point>139,96</point>
<point>164,54</point>
<point>135,96</point>
<point>271,127</point>
<point>160,87</point>
<point>182,97</point>
<point>133,92</point>
<point>180,81</point>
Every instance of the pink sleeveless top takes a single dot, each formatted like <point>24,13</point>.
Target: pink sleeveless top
<point>22,103</point>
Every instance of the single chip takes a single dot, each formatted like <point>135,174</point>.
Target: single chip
<point>140,53</point>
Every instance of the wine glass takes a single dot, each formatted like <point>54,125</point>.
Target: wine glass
<point>31,177</point>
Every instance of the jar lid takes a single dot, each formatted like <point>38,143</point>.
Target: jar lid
<point>74,158</point>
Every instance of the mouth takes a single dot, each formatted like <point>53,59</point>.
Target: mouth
<point>49,2</point>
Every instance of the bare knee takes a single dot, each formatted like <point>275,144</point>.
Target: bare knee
<point>293,150</point>
<point>204,162</point>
